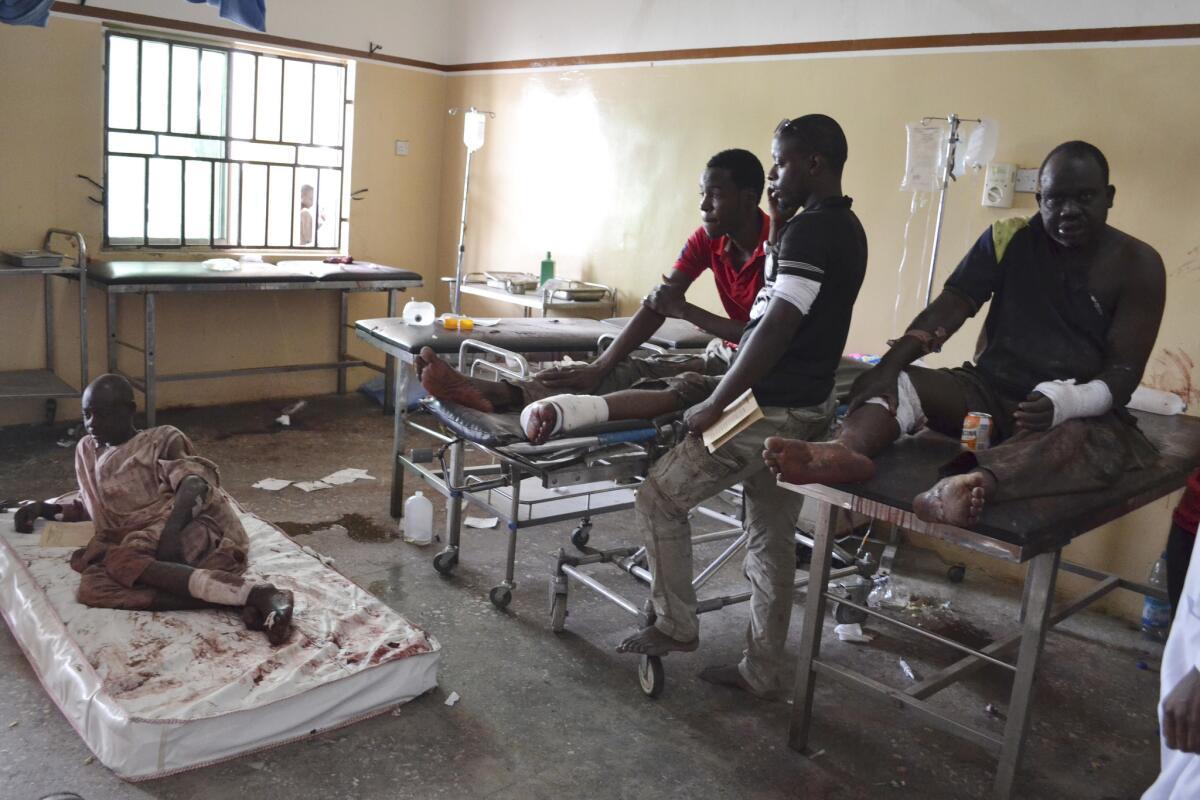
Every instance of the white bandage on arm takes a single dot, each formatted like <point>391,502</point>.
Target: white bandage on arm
<point>225,590</point>
<point>800,292</point>
<point>1073,400</point>
<point>574,411</point>
<point>909,414</point>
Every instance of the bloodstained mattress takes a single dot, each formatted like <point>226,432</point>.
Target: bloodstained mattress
<point>154,693</point>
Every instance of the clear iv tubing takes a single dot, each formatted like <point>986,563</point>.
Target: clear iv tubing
<point>920,202</point>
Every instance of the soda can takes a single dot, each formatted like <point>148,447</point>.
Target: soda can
<point>977,431</point>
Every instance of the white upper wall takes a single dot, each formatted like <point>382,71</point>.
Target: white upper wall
<point>416,29</point>
<point>473,31</point>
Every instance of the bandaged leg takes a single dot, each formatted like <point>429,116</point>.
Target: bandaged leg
<point>909,415</point>
<point>219,588</point>
<point>562,413</point>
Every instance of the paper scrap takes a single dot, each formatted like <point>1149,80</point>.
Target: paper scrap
<point>284,420</point>
<point>452,699</point>
<point>311,486</point>
<point>481,522</point>
<point>67,534</point>
<point>343,476</point>
<point>852,633</point>
<point>272,484</point>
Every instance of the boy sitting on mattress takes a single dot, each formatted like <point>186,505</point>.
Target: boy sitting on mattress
<point>166,536</point>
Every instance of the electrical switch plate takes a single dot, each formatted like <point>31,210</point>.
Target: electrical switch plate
<point>1026,180</point>
<point>998,185</point>
<point>401,147</point>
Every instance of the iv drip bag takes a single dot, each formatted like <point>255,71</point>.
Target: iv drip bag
<point>473,126</point>
<point>981,147</point>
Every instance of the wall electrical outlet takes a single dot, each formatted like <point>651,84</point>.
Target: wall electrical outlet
<point>1026,180</point>
<point>401,147</point>
<point>998,185</point>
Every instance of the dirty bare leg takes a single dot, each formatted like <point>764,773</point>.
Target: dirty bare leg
<point>264,607</point>
<point>623,405</point>
<point>846,459</point>
<point>446,383</point>
<point>956,500</point>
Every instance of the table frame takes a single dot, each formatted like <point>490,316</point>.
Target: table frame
<point>148,383</point>
<point>1036,618</point>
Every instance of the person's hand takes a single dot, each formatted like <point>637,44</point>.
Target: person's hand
<point>701,417</point>
<point>779,212</point>
<point>26,513</point>
<point>1181,715</point>
<point>573,378</point>
<point>1035,414</point>
<point>666,299</point>
<point>878,381</point>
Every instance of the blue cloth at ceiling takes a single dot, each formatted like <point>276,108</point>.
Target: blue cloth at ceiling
<point>251,13</point>
<point>25,12</point>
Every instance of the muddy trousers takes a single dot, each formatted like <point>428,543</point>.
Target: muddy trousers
<point>689,475</point>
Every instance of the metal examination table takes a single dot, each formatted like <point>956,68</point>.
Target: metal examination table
<point>536,339</point>
<point>150,278</point>
<point>1033,531</point>
<point>673,334</point>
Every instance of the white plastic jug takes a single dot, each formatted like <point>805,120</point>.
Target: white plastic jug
<point>418,313</point>
<point>418,519</point>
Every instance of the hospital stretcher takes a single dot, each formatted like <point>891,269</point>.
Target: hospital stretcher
<point>580,476</point>
<point>1031,532</point>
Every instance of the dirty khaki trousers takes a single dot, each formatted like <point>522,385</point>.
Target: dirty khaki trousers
<point>689,475</point>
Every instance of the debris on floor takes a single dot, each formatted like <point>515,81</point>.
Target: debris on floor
<point>481,522</point>
<point>852,633</point>
<point>348,475</point>
<point>272,484</point>
<point>311,486</point>
<point>909,672</point>
<point>285,417</point>
<point>326,560</point>
<point>452,699</point>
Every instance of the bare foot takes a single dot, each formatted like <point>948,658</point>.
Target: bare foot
<point>269,609</point>
<point>798,461</point>
<point>957,500</point>
<point>445,383</point>
<point>653,642</point>
<point>543,417</point>
<point>730,676</point>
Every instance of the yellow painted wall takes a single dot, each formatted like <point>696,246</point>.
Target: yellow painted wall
<point>52,97</point>
<point>601,167</point>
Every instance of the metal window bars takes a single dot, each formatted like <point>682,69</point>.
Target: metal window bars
<point>178,159</point>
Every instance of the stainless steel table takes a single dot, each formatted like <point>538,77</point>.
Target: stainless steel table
<point>1031,531</point>
<point>150,278</point>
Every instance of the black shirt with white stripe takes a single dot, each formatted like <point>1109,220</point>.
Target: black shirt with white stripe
<point>824,245</point>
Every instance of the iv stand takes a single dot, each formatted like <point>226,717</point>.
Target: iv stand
<point>947,176</point>
<point>456,301</point>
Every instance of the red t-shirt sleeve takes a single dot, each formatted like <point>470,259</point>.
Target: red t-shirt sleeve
<point>696,256</point>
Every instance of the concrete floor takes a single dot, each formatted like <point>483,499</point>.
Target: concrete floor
<point>550,716</point>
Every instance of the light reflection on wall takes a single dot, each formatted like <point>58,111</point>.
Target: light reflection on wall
<point>563,171</point>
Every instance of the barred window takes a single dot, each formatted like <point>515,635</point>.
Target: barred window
<point>220,148</point>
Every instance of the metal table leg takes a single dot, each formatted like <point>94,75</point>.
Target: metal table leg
<point>814,621</point>
<point>1043,569</point>
<point>343,318</point>
<point>110,322</point>
<point>390,364</point>
<point>151,389</point>
<point>48,318</point>
<point>401,377</point>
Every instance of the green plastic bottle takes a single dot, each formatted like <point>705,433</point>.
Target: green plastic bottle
<point>547,268</point>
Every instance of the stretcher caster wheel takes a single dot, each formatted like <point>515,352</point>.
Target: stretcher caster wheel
<point>558,612</point>
<point>847,615</point>
<point>445,561</point>
<point>580,536</point>
<point>956,573</point>
<point>651,676</point>
<point>500,596</point>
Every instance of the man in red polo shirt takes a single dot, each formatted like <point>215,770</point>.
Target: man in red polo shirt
<point>729,242</point>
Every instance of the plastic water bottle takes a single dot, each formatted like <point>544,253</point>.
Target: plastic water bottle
<point>1156,614</point>
<point>418,519</point>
